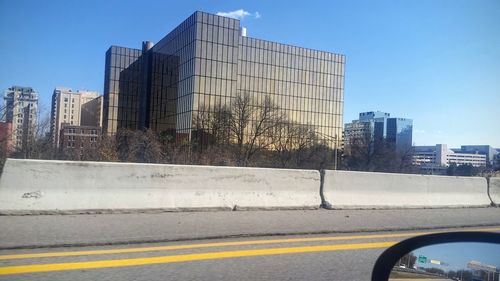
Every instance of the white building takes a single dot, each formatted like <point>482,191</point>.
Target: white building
<point>440,156</point>
<point>67,108</point>
<point>21,109</point>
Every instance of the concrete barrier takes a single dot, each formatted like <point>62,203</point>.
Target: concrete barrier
<point>28,186</point>
<point>362,190</point>
<point>494,190</point>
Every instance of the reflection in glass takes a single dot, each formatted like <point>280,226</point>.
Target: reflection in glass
<point>464,261</point>
<point>205,59</point>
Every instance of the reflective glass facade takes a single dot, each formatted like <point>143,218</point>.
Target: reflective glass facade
<point>203,63</point>
<point>399,132</point>
<point>121,89</point>
<point>307,84</point>
<point>378,126</point>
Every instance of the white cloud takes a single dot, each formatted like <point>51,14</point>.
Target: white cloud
<point>238,14</point>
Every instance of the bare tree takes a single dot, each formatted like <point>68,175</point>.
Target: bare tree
<point>220,126</point>
<point>289,142</point>
<point>359,153</point>
<point>241,114</point>
<point>139,146</point>
<point>252,124</point>
<point>366,154</point>
<point>36,140</point>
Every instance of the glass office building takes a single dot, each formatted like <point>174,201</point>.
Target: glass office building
<point>121,89</point>
<point>376,126</point>
<point>204,63</point>
<point>399,132</point>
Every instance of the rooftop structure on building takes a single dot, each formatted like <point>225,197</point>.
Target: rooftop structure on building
<point>203,64</point>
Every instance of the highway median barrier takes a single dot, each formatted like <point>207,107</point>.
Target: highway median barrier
<point>46,186</point>
<point>494,190</point>
<point>367,190</point>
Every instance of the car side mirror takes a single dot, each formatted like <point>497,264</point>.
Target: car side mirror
<point>465,256</point>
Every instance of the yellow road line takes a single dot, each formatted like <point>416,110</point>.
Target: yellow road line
<point>218,244</point>
<point>18,269</point>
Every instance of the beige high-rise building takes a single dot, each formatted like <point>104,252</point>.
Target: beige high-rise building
<point>21,108</point>
<point>74,108</point>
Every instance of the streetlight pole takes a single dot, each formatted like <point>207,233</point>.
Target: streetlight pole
<point>335,153</point>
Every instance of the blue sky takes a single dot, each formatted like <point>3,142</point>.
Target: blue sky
<point>435,61</point>
<point>457,255</point>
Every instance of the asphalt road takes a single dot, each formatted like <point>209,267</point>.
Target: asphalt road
<point>249,245</point>
<point>72,230</point>
<point>347,256</point>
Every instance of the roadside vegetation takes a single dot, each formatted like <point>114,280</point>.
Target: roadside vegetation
<point>249,133</point>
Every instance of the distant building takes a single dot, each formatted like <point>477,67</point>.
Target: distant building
<point>437,158</point>
<point>74,108</point>
<point>21,109</point>
<point>77,140</point>
<point>400,132</point>
<point>5,138</point>
<point>91,112</point>
<point>487,150</point>
<point>376,126</point>
<point>496,159</point>
<point>361,131</point>
<point>379,120</point>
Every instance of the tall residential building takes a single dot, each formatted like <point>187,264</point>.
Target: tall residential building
<point>204,63</point>
<point>74,108</point>
<point>21,109</point>
<point>376,126</point>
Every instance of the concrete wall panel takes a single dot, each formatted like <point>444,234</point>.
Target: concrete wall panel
<point>346,189</point>
<point>72,185</point>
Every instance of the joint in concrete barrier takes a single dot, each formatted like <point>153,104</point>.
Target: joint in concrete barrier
<point>324,203</point>
<point>488,191</point>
